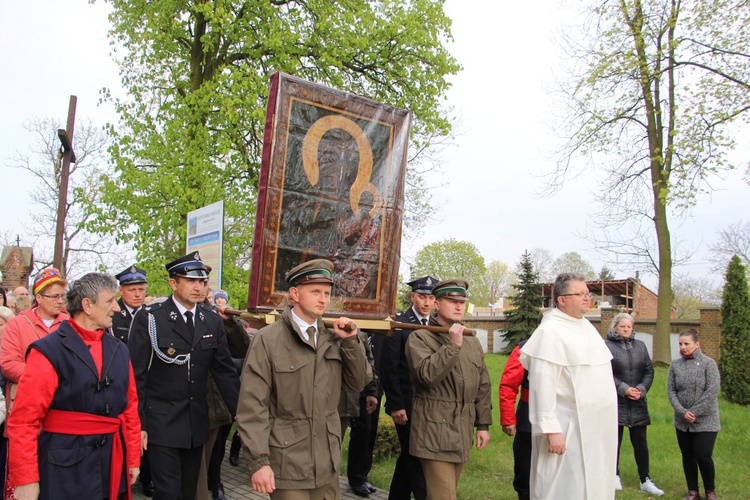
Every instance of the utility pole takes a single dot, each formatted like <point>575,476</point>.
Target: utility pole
<point>68,157</point>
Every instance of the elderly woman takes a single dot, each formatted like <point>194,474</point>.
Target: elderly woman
<point>693,391</point>
<point>633,373</point>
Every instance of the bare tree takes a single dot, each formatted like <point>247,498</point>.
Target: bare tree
<point>654,87</point>
<point>690,294</point>
<point>82,250</point>
<point>542,260</point>
<point>733,240</point>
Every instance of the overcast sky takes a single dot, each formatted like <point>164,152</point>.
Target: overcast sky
<point>488,194</point>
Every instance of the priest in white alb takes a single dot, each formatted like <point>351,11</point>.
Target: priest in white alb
<point>572,401</point>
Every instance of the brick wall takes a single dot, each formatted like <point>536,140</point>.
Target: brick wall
<point>709,327</point>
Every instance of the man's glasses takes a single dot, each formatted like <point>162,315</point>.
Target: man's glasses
<point>54,298</point>
<point>579,294</point>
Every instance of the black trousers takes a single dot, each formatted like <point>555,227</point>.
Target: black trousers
<point>640,449</point>
<point>217,455</point>
<point>522,464</point>
<point>697,453</point>
<point>408,476</point>
<point>175,471</point>
<point>364,430</point>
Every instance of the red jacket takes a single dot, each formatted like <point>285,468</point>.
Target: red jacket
<point>18,335</point>
<point>510,383</point>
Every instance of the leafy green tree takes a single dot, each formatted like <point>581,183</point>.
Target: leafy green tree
<point>453,259</point>
<point>523,314</point>
<point>196,76</point>
<point>498,279</point>
<point>735,335</point>
<point>606,274</point>
<point>573,262</point>
<point>653,90</point>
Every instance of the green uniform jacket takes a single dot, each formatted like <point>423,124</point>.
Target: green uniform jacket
<point>451,395</point>
<point>288,412</point>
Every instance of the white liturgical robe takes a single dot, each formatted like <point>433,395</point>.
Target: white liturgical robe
<point>571,391</point>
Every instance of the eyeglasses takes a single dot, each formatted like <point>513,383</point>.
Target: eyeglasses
<point>579,294</point>
<point>54,298</point>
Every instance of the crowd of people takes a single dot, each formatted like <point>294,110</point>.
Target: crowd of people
<point>102,392</point>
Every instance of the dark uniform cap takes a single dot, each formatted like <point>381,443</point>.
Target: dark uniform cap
<point>187,266</point>
<point>313,271</point>
<point>131,276</point>
<point>453,289</point>
<point>423,285</point>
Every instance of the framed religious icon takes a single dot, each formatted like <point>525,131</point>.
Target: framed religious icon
<point>331,187</point>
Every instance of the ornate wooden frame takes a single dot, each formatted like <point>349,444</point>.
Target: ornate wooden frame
<point>331,186</point>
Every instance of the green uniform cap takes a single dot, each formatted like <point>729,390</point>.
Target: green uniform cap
<point>454,289</point>
<point>313,271</point>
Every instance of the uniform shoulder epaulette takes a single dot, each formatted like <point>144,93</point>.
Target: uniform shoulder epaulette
<point>153,307</point>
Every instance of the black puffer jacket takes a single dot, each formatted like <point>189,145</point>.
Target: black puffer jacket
<point>631,367</point>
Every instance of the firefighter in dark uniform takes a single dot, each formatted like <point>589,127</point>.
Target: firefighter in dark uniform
<point>132,293</point>
<point>408,477</point>
<point>173,346</point>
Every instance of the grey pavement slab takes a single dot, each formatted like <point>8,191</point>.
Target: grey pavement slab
<point>236,482</point>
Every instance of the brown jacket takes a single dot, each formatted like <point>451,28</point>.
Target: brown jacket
<point>288,412</point>
<point>451,395</point>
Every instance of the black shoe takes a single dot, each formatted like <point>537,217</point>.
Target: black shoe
<point>361,490</point>
<point>149,489</point>
<point>234,458</point>
<point>370,487</point>
<point>218,492</point>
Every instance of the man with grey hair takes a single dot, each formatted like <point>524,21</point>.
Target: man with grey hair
<point>572,400</point>
<point>77,393</point>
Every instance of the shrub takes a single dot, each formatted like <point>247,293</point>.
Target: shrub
<point>386,442</point>
<point>735,335</point>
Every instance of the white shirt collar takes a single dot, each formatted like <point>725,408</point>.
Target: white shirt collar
<point>304,325</point>
<point>183,309</point>
<point>419,316</point>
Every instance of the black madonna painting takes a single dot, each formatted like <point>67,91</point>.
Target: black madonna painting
<point>332,187</point>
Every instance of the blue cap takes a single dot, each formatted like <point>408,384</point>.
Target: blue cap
<point>131,276</point>
<point>423,285</point>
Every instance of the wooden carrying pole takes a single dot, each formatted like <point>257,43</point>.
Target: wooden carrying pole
<point>383,326</point>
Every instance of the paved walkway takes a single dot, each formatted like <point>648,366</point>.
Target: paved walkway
<point>236,482</point>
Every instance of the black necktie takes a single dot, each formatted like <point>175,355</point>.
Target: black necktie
<point>190,324</point>
<point>424,321</point>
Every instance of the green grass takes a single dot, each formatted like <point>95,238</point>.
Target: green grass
<point>489,473</point>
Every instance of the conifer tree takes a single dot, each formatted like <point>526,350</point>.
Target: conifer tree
<point>526,303</point>
<point>735,335</point>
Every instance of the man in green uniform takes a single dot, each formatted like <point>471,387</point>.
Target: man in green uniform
<point>288,416</point>
<point>451,393</point>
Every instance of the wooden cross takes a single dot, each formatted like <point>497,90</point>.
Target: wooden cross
<point>68,157</point>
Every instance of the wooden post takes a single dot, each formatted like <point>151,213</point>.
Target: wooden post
<point>68,157</point>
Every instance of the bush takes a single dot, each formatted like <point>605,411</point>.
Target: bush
<point>735,335</point>
<point>386,442</point>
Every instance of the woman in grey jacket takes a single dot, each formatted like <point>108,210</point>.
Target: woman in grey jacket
<point>693,390</point>
<point>633,373</point>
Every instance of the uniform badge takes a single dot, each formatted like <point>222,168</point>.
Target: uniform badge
<point>429,281</point>
<point>171,351</point>
<point>124,313</point>
<point>132,269</point>
<point>200,315</point>
<point>173,316</point>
